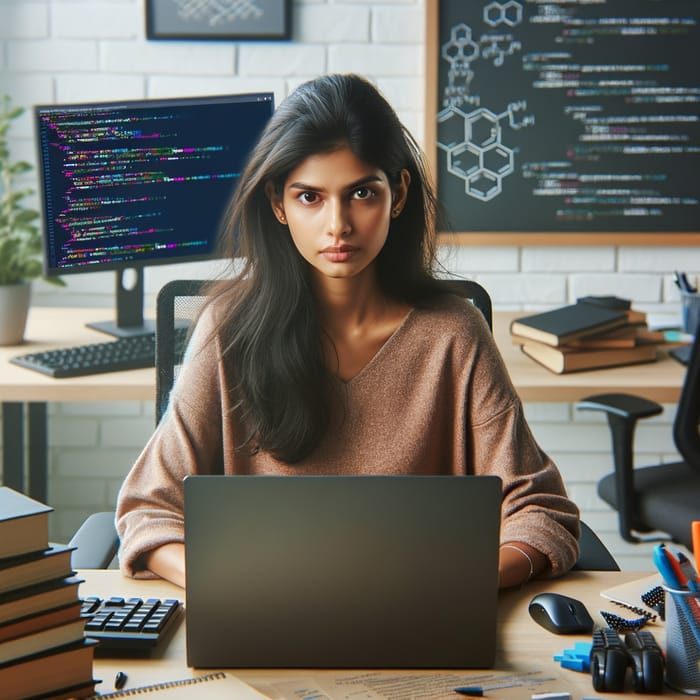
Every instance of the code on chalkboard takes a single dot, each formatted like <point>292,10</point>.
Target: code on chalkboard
<point>558,116</point>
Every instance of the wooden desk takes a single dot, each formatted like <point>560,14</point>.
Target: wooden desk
<point>523,645</point>
<point>23,391</point>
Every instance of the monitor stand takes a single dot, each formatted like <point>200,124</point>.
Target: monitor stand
<point>129,303</point>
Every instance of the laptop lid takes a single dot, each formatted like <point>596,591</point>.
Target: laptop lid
<point>342,571</point>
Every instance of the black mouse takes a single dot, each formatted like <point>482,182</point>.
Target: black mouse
<point>560,614</point>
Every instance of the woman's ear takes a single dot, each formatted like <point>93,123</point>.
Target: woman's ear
<point>401,193</point>
<point>275,202</point>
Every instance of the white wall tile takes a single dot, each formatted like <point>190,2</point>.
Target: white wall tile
<point>96,20</point>
<point>23,20</point>
<point>324,24</point>
<point>398,24</point>
<point>56,55</point>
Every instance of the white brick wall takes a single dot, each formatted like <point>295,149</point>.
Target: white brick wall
<point>63,51</point>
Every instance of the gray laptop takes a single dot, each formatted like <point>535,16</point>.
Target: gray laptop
<point>342,571</point>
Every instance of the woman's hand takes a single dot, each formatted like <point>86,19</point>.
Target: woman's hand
<point>168,562</point>
<point>518,563</point>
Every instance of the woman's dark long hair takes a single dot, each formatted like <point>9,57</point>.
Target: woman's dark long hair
<point>269,323</point>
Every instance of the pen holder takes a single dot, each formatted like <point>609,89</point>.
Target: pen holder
<point>682,641</point>
<point>690,311</point>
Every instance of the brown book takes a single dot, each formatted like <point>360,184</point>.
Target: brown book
<point>24,523</point>
<point>34,599</point>
<point>562,325</point>
<point>48,672</point>
<point>37,567</point>
<point>563,360</point>
<point>40,621</point>
<point>43,640</point>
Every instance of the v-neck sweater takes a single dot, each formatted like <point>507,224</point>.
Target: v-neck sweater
<point>435,399</point>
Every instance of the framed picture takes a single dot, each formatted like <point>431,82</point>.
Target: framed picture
<point>218,19</point>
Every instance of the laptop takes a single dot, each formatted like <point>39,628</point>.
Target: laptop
<point>341,571</point>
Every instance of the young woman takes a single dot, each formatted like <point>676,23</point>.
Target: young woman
<point>336,350</point>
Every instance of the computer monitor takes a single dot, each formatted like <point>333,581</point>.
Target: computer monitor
<point>131,184</point>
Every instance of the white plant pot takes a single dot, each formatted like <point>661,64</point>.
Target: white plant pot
<point>14,307</point>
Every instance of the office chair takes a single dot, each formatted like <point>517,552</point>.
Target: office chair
<point>469,289</point>
<point>177,304</point>
<point>662,499</point>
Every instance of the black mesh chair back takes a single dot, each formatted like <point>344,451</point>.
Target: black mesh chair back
<point>477,295</point>
<point>177,305</point>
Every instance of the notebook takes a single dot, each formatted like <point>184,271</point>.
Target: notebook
<point>342,571</point>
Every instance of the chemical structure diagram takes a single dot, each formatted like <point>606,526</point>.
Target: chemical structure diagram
<point>472,140</point>
<point>217,12</point>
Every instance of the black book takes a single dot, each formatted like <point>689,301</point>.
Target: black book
<point>564,324</point>
<point>24,523</point>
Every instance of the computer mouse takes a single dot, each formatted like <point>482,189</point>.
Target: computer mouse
<point>560,614</point>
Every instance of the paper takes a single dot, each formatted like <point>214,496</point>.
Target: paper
<point>385,685</point>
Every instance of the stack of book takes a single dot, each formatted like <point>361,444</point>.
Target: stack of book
<point>43,652</point>
<point>594,332</point>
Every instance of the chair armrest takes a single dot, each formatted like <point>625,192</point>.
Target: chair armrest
<point>623,411</point>
<point>96,541</point>
<point>625,406</point>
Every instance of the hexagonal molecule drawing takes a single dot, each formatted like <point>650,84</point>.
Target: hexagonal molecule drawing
<point>474,149</point>
<point>459,51</point>
<point>509,13</point>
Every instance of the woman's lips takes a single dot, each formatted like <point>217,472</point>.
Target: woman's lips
<point>339,253</point>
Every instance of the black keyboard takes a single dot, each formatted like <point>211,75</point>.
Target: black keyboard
<point>130,624</point>
<point>132,352</point>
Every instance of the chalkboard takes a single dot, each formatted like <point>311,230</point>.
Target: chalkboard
<point>565,123</point>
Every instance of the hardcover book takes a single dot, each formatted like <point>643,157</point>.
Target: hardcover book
<point>42,640</point>
<point>563,360</point>
<point>24,602</point>
<point>37,621</point>
<point>564,324</point>
<point>42,674</point>
<point>24,523</point>
<point>36,567</point>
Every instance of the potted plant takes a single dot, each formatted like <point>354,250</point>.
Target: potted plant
<point>20,240</point>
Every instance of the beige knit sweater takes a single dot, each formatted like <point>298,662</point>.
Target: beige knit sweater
<point>436,399</point>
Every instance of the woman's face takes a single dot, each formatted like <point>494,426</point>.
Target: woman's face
<point>338,211</point>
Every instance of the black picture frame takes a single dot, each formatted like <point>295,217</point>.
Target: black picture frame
<point>249,20</point>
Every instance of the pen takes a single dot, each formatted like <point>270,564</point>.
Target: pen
<point>474,691</point>
<point>691,576</point>
<point>680,576</point>
<point>695,529</point>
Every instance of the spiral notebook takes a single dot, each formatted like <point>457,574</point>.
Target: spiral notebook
<point>219,686</point>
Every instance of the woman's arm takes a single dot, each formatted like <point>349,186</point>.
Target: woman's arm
<point>168,562</point>
<point>518,563</point>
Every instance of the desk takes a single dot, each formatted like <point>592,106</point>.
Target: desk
<point>25,392</point>
<point>522,644</point>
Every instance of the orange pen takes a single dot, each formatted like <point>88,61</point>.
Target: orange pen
<point>696,541</point>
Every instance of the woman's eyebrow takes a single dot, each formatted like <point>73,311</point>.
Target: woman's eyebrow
<point>351,186</point>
